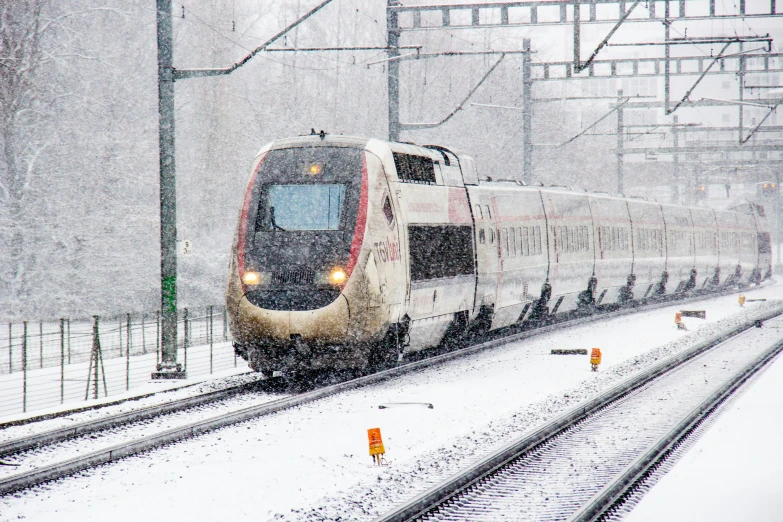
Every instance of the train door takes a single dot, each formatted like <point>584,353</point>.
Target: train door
<point>486,241</point>
<point>402,225</point>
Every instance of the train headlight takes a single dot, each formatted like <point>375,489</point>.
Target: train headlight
<point>337,276</point>
<point>251,278</point>
<point>315,169</point>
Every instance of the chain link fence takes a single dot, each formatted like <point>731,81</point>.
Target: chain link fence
<point>47,363</point>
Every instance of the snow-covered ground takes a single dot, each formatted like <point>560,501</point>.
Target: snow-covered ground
<point>735,470</point>
<point>123,379</point>
<point>312,462</point>
<point>150,394</point>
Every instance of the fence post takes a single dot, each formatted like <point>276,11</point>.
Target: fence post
<point>120,333</point>
<point>157,337</point>
<point>127,353</point>
<point>24,367</point>
<point>210,339</point>
<point>96,358</point>
<point>10,349</point>
<point>185,341</point>
<point>69,339</point>
<point>62,360</point>
<point>40,343</point>
<point>143,336</point>
<point>225,325</point>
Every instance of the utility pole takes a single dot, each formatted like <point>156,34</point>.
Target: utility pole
<point>675,164</point>
<point>778,264</point>
<point>620,131</point>
<point>168,368</point>
<point>527,114</point>
<point>393,74</point>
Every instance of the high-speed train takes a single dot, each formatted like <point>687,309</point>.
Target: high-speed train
<point>353,251</point>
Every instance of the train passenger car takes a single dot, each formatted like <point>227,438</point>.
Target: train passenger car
<point>351,252</point>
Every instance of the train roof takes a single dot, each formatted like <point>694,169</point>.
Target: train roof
<point>318,140</point>
<point>324,139</point>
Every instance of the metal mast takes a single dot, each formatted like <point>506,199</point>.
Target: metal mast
<point>168,367</point>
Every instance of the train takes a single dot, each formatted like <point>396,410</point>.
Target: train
<point>352,252</point>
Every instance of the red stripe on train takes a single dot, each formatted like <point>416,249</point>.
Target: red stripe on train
<point>243,222</point>
<point>361,222</point>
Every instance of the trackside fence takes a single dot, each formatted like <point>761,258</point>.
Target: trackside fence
<point>47,363</point>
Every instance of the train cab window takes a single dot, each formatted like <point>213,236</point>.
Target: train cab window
<point>414,169</point>
<point>387,210</point>
<point>478,212</point>
<point>440,251</point>
<point>301,207</point>
<point>482,236</point>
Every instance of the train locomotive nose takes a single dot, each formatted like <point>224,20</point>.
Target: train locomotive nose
<point>327,325</point>
<point>291,340</point>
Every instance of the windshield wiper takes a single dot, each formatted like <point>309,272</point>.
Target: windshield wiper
<point>272,219</point>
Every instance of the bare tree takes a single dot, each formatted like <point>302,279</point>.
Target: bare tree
<point>23,102</point>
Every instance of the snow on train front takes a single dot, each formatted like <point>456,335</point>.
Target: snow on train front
<point>297,293</point>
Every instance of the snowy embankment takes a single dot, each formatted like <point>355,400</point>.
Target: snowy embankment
<point>311,462</point>
<point>734,471</point>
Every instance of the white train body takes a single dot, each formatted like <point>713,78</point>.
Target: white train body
<point>377,248</point>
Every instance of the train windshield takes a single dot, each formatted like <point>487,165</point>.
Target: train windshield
<point>307,192</point>
<point>304,207</point>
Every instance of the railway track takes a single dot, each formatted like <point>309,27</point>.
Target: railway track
<point>584,464</point>
<point>122,435</point>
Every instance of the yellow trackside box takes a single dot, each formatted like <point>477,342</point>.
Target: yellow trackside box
<point>595,356</point>
<point>376,443</point>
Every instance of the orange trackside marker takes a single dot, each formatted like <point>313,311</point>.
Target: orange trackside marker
<point>595,358</point>
<point>376,444</point>
<point>742,299</point>
<point>678,321</point>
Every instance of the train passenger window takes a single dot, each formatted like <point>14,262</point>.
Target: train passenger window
<point>482,236</point>
<point>414,169</point>
<point>538,240</point>
<point>504,251</point>
<point>492,236</point>
<point>440,251</point>
<point>571,239</point>
<point>574,239</point>
<point>488,213</point>
<point>765,247</point>
<point>387,210</point>
<point>585,239</point>
<point>478,212</point>
<point>513,242</point>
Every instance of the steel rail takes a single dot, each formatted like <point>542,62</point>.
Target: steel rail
<point>615,493</point>
<point>487,466</point>
<point>58,470</point>
<point>111,421</point>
